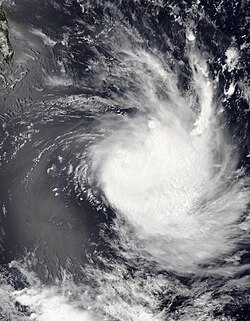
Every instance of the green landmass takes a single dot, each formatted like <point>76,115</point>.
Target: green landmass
<point>5,44</point>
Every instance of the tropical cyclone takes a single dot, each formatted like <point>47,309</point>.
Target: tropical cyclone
<point>124,161</point>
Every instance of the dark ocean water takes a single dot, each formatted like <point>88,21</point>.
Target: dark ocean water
<point>124,161</point>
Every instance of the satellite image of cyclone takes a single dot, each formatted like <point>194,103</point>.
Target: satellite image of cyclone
<point>124,160</point>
